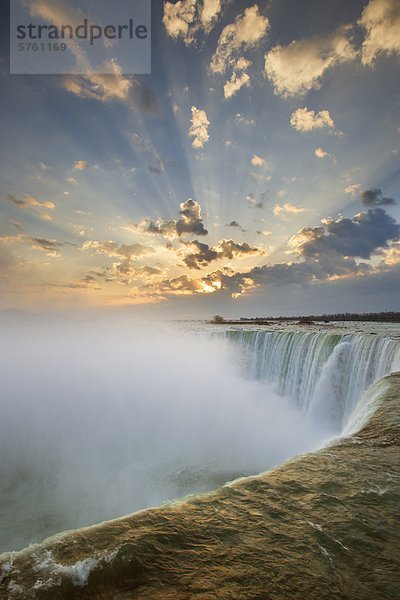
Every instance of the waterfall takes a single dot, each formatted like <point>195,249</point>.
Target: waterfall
<point>323,373</point>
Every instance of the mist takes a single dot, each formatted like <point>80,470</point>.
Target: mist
<point>99,420</point>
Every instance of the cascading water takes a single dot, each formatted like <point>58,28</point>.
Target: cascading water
<point>93,432</point>
<point>320,526</point>
<point>323,373</point>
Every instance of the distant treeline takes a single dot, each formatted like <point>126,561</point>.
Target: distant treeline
<point>379,317</point>
<point>384,317</point>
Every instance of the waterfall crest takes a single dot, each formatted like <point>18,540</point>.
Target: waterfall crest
<point>323,373</point>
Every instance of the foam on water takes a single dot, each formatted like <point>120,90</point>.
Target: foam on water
<point>107,421</point>
<point>317,526</point>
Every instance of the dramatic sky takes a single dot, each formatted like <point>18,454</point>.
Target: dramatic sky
<point>254,172</point>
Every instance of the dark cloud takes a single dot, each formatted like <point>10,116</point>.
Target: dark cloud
<point>190,223</point>
<point>326,255</point>
<point>225,249</point>
<point>374,198</point>
<point>357,237</point>
<point>229,248</point>
<point>235,224</point>
<point>16,200</point>
<point>47,245</point>
<point>327,252</point>
<point>203,256</point>
<point>298,275</point>
<point>155,170</point>
<point>165,228</point>
<point>276,275</point>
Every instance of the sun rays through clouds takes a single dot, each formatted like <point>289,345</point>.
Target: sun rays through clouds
<point>259,159</point>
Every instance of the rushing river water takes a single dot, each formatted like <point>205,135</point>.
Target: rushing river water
<point>193,413</point>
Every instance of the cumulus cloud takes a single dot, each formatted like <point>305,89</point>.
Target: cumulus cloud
<point>190,223</point>
<point>324,253</point>
<point>185,285</point>
<point>178,19</point>
<point>297,68</point>
<point>80,165</point>
<point>381,22</point>
<point>286,209</point>
<point>210,12</point>
<point>185,19</point>
<point>353,188</point>
<point>161,227</point>
<point>239,78</point>
<point>258,161</point>
<point>204,254</point>
<point>229,248</point>
<point>279,274</point>
<point>244,284</point>
<point>327,252</point>
<point>321,153</point>
<point>191,220</point>
<point>391,256</point>
<point>357,237</point>
<point>374,198</point>
<point>245,33</point>
<point>199,128</point>
<point>303,119</point>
